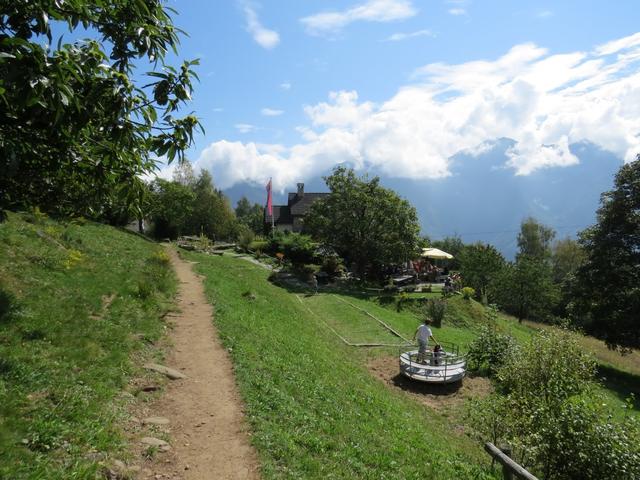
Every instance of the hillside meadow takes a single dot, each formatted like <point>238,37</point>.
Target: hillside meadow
<point>79,303</point>
<point>314,407</point>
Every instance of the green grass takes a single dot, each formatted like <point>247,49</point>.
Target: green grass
<point>76,300</point>
<point>619,375</point>
<point>314,409</point>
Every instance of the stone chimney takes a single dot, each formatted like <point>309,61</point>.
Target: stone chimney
<point>300,190</point>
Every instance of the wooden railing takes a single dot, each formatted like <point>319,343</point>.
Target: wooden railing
<point>509,467</point>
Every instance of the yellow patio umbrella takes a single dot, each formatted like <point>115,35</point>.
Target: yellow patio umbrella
<point>435,253</point>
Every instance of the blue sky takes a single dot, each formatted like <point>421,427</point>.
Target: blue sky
<point>290,88</point>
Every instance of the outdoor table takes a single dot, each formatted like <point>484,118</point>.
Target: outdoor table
<point>403,279</point>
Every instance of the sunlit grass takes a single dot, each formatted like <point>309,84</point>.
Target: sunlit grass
<point>76,299</point>
<point>314,409</point>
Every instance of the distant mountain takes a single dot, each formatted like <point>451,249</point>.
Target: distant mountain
<point>484,201</point>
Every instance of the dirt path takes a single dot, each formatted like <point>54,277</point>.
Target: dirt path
<point>207,431</point>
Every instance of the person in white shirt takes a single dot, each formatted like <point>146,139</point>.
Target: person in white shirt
<point>423,334</point>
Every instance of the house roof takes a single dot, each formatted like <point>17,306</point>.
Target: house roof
<point>300,205</point>
<point>281,215</point>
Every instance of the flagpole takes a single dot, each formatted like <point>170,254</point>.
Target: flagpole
<point>272,219</point>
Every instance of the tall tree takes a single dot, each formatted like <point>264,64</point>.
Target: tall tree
<point>535,239</point>
<point>480,265</point>
<point>524,289</point>
<point>212,215</point>
<point>183,174</point>
<point>369,225</point>
<point>567,256</point>
<point>250,215</point>
<point>607,288</point>
<point>172,208</point>
<point>78,123</point>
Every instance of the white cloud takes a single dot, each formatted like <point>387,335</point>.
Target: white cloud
<point>263,36</point>
<point>544,102</point>
<point>285,86</point>
<point>329,23</point>
<point>271,112</point>
<point>458,7</point>
<point>244,127</point>
<point>396,37</point>
<point>619,44</point>
<point>544,14</point>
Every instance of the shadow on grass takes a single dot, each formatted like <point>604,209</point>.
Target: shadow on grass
<point>295,285</point>
<point>622,384</point>
<point>424,388</point>
<point>8,306</point>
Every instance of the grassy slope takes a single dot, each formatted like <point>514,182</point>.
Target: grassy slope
<point>619,375</point>
<point>63,358</point>
<point>314,409</point>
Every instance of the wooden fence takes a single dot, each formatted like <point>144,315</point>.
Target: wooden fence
<point>510,469</point>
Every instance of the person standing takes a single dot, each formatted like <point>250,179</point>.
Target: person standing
<point>423,334</point>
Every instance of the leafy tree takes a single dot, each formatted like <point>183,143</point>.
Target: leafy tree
<point>172,208</point>
<point>211,213</point>
<point>424,241</point>
<point>366,223</point>
<point>480,264</point>
<point>524,289</point>
<point>183,174</point>
<point>566,257</point>
<point>607,288</point>
<point>535,239</point>
<point>250,215</point>
<point>78,123</point>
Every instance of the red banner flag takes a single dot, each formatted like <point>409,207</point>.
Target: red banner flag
<point>269,200</point>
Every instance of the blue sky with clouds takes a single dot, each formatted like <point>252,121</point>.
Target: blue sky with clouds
<point>290,88</point>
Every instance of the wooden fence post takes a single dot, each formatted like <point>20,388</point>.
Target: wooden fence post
<point>506,473</point>
<point>509,467</point>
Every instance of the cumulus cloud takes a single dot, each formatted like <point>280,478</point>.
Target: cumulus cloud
<point>285,86</point>
<point>457,11</point>
<point>263,36</point>
<point>271,112</point>
<point>331,22</point>
<point>544,102</point>
<point>396,37</point>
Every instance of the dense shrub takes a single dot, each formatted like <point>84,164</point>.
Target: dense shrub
<point>489,350</point>
<point>468,293</point>
<point>245,236</point>
<point>259,245</point>
<point>547,410</point>
<point>435,310</point>
<point>296,247</point>
<point>401,300</point>
<point>332,265</point>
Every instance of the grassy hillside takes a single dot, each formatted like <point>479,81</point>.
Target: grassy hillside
<point>619,374</point>
<point>76,300</point>
<point>314,409</point>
